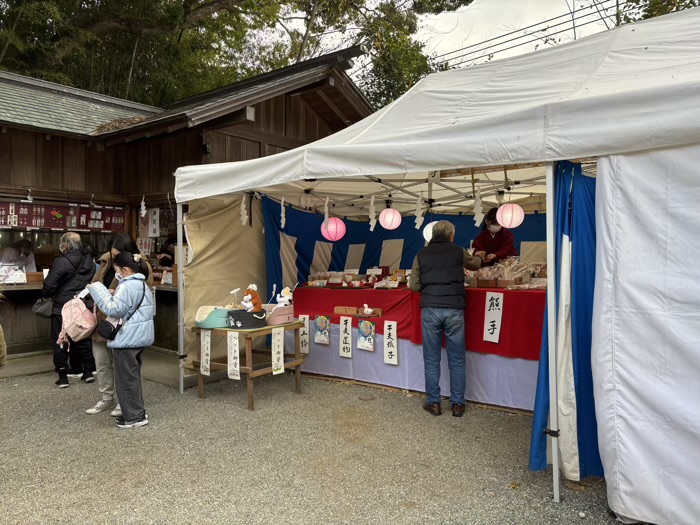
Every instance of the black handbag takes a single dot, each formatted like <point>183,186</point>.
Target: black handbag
<point>43,307</point>
<point>108,329</point>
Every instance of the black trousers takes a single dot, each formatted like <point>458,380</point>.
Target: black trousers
<point>78,354</point>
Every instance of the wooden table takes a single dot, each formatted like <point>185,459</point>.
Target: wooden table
<point>247,366</point>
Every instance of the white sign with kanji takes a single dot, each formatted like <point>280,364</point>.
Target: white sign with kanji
<point>492,317</point>
<point>234,364</point>
<point>391,343</point>
<point>277,351</point>
<point>346,337</point>
<point>205,341</point>
<point>153,222</point>
<point>304,334</point>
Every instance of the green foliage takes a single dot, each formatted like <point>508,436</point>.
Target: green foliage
<point>158,51</point>
<point>644,9</point>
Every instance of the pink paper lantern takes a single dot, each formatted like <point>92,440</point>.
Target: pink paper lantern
<point>335,230</point>
<point>510,215</point>
<point>390,219</point>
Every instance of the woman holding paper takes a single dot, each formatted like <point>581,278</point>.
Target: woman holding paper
<point>132,305</point>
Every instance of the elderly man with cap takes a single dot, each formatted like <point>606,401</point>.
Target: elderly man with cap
<point>438,274</point>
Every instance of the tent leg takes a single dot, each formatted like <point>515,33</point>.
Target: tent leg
<point>180,298</point>
<point>552,329</point>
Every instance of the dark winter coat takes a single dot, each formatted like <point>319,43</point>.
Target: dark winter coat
<point>68,276</point>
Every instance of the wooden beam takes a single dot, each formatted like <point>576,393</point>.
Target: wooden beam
<point>262,136</point>
<point>358,103</point>
<point>333,107</point>
<point>244,115</point>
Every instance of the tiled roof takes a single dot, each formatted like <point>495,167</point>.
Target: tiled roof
<point>51,107</point>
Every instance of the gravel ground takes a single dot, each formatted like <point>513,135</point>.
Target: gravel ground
<point>336,454</point>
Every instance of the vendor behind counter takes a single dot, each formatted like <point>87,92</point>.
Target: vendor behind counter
<point>495,240</point>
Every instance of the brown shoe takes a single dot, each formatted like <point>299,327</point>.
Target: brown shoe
<point>457,410</point>
<point>434,408</point>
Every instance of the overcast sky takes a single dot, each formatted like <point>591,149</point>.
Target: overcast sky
<point>485,19</point>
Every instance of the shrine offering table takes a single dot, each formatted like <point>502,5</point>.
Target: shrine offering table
<point>247,367</point>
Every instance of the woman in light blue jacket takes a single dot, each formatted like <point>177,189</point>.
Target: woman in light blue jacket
<point>132,302</point>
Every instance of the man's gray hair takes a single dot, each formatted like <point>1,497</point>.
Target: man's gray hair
<point>72,241</point>
<point>443,230</point>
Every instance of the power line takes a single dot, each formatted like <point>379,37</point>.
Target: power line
<point>538,39</point>
<point>531,33</point>
<point>567,15</point>
<point>593,11</point>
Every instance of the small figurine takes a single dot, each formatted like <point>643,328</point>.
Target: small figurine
<point>284,298</point>
<point>251,299</point>
<point>368,310</point>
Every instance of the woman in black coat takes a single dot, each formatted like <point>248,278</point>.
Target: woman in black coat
<point>69,275</point>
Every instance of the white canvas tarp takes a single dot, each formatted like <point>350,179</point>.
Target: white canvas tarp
<point>630,89</point>
<point>646,333</point>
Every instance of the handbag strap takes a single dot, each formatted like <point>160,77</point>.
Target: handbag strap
<point>143,296</point>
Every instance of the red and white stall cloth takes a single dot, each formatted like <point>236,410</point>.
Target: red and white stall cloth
<point>492,379</point>
<point>503,373</point>
<point>521,324</point>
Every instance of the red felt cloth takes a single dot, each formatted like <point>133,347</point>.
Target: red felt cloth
<point>521,325</point>
<point>399,305</point>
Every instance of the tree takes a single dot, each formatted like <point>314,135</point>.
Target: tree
<point>157,51</point>
<point>151,51</point>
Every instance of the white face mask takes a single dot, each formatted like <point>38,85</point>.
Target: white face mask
<point>494,228</point>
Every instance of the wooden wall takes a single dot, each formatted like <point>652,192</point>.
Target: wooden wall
<point>66,168</point>
<point>281,123</point>
<point>58,166</point>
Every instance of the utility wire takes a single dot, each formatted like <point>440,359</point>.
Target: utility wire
<point>592,11</point>
<point>537,39</point>
<point>567,15</point>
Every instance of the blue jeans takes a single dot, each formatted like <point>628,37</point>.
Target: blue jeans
<point>434,322</point>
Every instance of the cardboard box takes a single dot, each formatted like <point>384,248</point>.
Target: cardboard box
<point>505,283</point>
<point>345,310</point>
<point>472,283</point>
<point>35,277</point>
<point>486,283</point>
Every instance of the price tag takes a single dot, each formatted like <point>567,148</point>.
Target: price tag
<point>391,347</point>
<point>205,341</point>
<point>277,351</point>
<point>234,365</point>
<point>346,337</point>
<point>304,334</point>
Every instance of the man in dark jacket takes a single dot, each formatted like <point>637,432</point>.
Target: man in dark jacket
<point>69,275</point>
<point>438,273</point>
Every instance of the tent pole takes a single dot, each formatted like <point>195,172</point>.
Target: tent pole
<point>180,298</point>
<point>551,330</point>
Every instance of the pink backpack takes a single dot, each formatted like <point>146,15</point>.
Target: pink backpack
<point>78,322</point>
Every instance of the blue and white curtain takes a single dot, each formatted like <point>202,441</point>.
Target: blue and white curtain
<point>299,249</point>
<point>575,274</point>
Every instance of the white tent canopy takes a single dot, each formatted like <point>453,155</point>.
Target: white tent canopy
<point>630,89</point>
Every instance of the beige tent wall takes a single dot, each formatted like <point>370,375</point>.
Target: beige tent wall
<point>226,255</point>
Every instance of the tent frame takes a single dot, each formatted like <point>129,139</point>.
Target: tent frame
<point>553,431</point>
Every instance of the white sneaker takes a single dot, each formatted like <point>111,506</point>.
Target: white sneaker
<point>117,411</point>
<point>101,406</point>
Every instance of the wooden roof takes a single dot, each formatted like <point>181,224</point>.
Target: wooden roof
<point>52,108</point>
